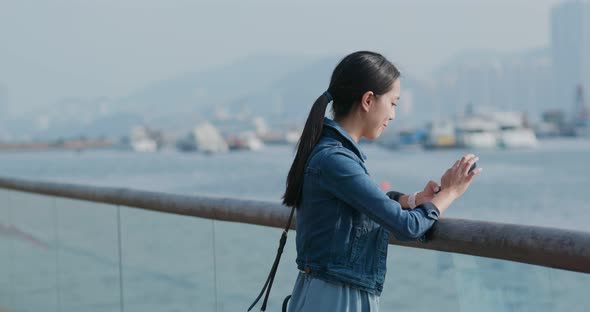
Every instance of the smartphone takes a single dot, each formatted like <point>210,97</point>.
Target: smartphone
<point>472,167</point>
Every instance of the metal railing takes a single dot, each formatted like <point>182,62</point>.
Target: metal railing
<point>544,246</point>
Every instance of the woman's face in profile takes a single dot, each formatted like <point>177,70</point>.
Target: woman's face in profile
<point>381,111</point>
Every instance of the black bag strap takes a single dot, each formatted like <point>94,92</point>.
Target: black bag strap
<point>275,265</point>
<point>285,302</point>
<point>271,276</point>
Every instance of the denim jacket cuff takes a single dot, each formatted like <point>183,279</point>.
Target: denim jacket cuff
<point>431,210</point>
<point>395,195</point>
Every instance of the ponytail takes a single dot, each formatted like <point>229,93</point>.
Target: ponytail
<point>309,138</point>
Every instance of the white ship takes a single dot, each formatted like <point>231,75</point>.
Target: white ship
<point>245,140</point>
<point>208,139</point>
<point>144,139</point>
<point>477,132</point>
<point>514,133</point>
<point>269,136</point>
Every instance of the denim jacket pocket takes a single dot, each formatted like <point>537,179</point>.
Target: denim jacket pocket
<point>357,242</point>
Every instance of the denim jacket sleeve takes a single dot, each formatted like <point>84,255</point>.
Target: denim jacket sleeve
<point>347,179</point>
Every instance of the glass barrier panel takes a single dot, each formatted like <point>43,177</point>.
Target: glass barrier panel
<point>6,254</point>
<point>245,254</point>
<point>167,262</point>
<point>33,236</point>
<point>418,280</point>
<point>88,257</point>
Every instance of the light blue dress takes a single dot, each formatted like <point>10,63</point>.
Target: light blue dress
<point>311,295</point>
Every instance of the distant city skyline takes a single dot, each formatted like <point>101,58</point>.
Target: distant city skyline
<point>110,48</point>
<point>570,49</point>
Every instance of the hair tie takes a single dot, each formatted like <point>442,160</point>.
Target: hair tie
<point>329,96</point>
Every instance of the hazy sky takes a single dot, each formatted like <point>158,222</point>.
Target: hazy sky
<point>56,48</point>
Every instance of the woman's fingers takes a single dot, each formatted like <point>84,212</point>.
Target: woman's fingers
<point>462,161</point>
<point>434,186</point>
<point>466,158</point>
<point>474,173</point>
<point>467,165</point>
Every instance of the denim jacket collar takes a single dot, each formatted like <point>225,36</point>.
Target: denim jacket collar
<point>345,138</point>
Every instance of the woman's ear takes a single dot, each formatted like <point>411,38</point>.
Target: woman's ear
<point>367,100</point>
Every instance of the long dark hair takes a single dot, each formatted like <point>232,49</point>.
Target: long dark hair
<point>356,74</point>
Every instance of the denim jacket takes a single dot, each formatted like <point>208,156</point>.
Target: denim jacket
<point>345,220</point>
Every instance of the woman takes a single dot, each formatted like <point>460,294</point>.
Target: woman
<point>344,220</point>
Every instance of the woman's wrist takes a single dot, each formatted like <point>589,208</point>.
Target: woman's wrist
<point>420,198</point>
<point>412,200</point>
<point>444,199</point>
<point>447,192</point>
<point>403,201</point>
<point>406,201</point>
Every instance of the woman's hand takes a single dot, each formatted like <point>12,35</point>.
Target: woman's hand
<point>457,179</point>
<point>428,193</point>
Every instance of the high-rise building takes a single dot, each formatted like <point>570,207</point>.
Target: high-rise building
<point>496,82</point>
<point>570,51</point>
